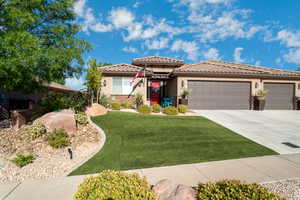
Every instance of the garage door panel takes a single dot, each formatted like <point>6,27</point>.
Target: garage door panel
<point>219,95</point>
<point>280,96</point>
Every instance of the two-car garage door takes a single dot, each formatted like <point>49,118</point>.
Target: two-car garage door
<point>237,95</point>
<point>219,95</point>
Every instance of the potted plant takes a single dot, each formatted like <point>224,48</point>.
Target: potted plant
<point>185,93</point>
<point>260,99</point>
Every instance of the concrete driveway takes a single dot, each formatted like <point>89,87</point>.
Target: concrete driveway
<point>270,128</point>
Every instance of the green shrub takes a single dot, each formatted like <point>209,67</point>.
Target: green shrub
<point>81,118</point>
<point>156,108</point>
<point>126,104</point>
<point>144,109</point>
<point>170,110</point>
<point>22,160</point>
<point>35,130</point>
<point>233,189</point>
<point>57,101</point>
<point>58,138</point>
<point>138,99</point>
<point>182,108</point>
<point>115,186</point>
<point>116,106</point>
<point>104,101</point>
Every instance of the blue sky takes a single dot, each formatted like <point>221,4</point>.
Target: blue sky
<point>256,32</point>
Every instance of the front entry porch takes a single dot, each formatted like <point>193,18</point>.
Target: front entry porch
<point>158,92</point>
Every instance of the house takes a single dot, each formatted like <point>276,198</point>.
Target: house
<point>213,84</point>
<point>17,101</point>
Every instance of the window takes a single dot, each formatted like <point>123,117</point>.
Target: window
<point>121,85</point>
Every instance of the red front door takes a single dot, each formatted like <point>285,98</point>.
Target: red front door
<point>155,92</point>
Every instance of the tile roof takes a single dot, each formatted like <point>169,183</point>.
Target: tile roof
<point>158,60</point>
<point>58,86</point>
<point>123,68</point>
<point>221,67</point>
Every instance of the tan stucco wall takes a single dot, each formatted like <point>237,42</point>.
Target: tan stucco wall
<point>107,90</point>
<point>161,69</point>
<point>253,81</point>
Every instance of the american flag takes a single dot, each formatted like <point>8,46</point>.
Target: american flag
<point>140,74</point>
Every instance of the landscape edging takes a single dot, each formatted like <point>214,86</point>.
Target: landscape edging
<point>101,144</point>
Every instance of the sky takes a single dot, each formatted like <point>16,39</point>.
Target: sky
<point>256,32</point>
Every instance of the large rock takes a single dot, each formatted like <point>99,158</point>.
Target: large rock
<point>95,110</point>
<point>59,119</point>
<point>168,190</point>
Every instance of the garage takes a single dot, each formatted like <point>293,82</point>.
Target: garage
<point>280,96</point>
<point>219,95</point>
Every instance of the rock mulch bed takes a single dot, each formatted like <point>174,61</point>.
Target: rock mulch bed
<point>49,162</point>
<point>289,189</point>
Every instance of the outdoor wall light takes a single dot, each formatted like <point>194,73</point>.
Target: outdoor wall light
<point>182,83</point>
<point>104,83</point>
<point>256,85</point>
<point>298,86</point>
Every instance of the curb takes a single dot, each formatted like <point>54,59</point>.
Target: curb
<point>102,142</point>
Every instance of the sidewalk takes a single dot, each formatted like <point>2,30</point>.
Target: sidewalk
<point>258,169</point>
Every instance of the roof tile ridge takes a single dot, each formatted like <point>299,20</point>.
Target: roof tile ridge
<point>238,66</point>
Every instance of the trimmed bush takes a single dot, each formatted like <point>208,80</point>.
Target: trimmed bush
<point>144,109</point>
<point>126,104</point>
<point>37,129</point>
<point>115,186</point>
<point>81,118</point>
<point>234,189</point>
<point>170,110</point>
<point>156,108</point>
<point>58,138</point>
<point>116,106</point>
<point>104,101</point>
<point>22,160</point>
<point>182,108</point>
<point>138,99</point>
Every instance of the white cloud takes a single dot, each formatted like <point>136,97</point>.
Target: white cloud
<point>121,17</point>
<point>293,56</point>
<point>129,49</point>
<point>90,22</point>
<point>79,7</point>
<point>75,84</point>
<point>160,43</point>
<point>136,4</point>
<point>190,48</point>
<point>257,63</point>
<point>237,55</point>
<point>289,38</point>
<point>211,54</point>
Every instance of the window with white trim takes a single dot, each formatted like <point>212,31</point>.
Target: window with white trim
<point>121,85</point>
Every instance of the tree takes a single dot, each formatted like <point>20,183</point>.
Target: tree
<point>38,43</point>
<point>94,79</point>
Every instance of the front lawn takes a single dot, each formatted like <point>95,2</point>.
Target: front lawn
<point>141,141</point>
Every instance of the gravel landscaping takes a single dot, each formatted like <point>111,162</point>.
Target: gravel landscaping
<point>289,189</point>
<point>49,162</point>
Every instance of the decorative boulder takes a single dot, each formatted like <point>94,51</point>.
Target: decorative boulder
<point>168,190</point>
<point>95,110</point>
<point>59,119</point>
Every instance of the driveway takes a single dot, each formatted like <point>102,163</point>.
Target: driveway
<point>269,128</point>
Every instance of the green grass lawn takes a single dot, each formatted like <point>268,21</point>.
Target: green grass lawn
<point>140,141</point>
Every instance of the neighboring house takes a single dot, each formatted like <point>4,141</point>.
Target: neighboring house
<point>213,84</point>
<point>15,100</point>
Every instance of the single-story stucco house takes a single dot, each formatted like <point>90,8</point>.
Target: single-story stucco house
<point>213,84</point>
